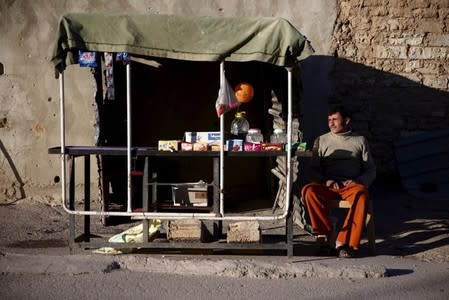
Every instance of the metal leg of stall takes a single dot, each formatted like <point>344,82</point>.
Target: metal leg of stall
<point>86,197</point>
<point>145,206</point>
<point>218,225</point>
<point>289,234</point>
<point>71,202</point>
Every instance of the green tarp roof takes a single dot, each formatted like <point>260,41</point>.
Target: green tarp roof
<point>270,40</point>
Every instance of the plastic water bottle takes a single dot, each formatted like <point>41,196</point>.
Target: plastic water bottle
<point>239,126</point>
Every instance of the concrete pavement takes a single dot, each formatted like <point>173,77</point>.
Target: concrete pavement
<point>266,267</point>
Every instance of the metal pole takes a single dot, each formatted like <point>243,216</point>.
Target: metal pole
<point>128,132</point>
<point>222,84</point>
<point>168,216</point>
<point>62,135</point>
<point>289,141</point>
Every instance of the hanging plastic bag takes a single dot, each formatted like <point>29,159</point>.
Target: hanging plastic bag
<point>226,100</point>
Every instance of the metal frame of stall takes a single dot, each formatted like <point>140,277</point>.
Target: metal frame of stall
<point>247,41</point>
<point>164,215</point>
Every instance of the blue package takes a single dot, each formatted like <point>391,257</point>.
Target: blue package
<point>123,56</point>
<point>87,59</point>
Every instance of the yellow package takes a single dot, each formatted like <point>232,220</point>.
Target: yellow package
<point>168,145</point>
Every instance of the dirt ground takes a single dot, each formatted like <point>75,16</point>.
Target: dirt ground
<point>405,226</point>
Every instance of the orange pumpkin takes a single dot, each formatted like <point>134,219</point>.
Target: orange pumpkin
<point>244,92</point>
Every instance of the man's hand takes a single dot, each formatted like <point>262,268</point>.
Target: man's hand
<point>333,184</point>
<point>336,185</point>
<point>348,182</point>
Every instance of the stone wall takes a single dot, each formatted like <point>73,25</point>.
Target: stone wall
<point>391,65</point>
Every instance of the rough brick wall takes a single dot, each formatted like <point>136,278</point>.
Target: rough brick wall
<point>392,67</point>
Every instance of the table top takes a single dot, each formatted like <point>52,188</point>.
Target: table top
<point>152,151</point>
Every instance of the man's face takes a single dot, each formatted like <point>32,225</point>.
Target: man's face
<point>337,124</point>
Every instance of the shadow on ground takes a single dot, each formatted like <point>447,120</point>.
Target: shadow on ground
<point>406,225</point>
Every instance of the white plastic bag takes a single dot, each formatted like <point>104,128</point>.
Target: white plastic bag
<point>226,100</point>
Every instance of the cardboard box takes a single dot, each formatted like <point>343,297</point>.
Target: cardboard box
<point>197,196</point>
<point>200,147</point>
<point>215,147</point>
<point>234,145</point>
<point>186,146</point>
<point>190,194</point>
<point>202,136</point>
<point>168,145</point>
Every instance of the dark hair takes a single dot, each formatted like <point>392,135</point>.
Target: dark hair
<point>339,109</point>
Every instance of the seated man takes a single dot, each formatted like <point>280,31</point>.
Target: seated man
<point>341,168</point>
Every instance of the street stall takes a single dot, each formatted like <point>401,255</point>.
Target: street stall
<point>168,90</point>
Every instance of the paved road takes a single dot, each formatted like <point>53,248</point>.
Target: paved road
<point>147,276</point>
<point>412,263</point>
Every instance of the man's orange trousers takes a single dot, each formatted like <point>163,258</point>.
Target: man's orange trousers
<point>316,195</point>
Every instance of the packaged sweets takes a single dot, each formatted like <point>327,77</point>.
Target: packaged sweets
<point>254,136</point>
<point>252,147</point>
<point>234,145</point>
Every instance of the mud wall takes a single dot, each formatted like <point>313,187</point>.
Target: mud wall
<point>29,98</point>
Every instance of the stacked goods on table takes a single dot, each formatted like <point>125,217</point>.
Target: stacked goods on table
<point>253,141</point>
<point>242,137</point>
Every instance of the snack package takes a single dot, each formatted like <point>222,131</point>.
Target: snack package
<point>186,146</point>
<point>234,145</point>
<point>252,147</point>
<point>123,57</point>
<point>272,147</point>
<point>200,147</point>
<point>168,145</point>
<point>87,59</point>
<point>215,147</point>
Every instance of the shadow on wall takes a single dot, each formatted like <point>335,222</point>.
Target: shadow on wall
<point>385,106</point>
<point>18,179</point>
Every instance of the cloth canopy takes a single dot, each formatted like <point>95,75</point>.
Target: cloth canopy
<point>270,40</point>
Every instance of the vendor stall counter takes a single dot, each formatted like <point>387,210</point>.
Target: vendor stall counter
<point>282,242</point>
<point>179,38</point>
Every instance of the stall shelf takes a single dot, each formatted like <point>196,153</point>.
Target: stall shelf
<point>212,39</point>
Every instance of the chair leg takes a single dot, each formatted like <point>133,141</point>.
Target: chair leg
<point>370,229</point>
